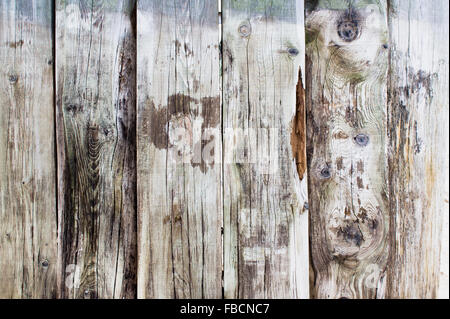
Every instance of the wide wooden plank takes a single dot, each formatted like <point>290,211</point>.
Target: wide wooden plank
<point>377,73</point>
<point>27,165</point>
<point>418,149</point>
<point>95,78</point>
<point>265,200</point>
<point>347,63</point>
<point>179,150</point>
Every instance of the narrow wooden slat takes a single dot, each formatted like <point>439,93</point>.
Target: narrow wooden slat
<point>265,208</point>
<point>179,150</point>
<point>347,62</point>
<point>27,165</point>
<point>418,149</point>
<point>95,75</point>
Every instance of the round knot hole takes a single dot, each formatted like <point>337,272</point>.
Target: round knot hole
<point>293,51</point>
<point>325,172</point>
<point>13,78</point>
<point>348,30</point>
<point>245,29</point>
<point>361,139</point>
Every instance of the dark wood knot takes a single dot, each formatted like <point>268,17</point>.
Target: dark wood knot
<point>348,30</point>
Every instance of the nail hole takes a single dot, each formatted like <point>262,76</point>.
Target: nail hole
<point>44,263</point>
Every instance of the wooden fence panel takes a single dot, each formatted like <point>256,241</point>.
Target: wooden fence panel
<point>95,67</point>
<point>27,164</point>
<point>179,150</point>
<point>376,92</point>
<point>265,208</point>
<point>347,60</point>
<point>418,149</point>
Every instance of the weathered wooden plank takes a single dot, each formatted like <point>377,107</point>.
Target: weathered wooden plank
<point>95,72</point>
<point>347,62</point>
<point>27,165</point>
<point>378,91</point>
<point>265,208</point>
<point>418,149</point>
<point>179,150</point>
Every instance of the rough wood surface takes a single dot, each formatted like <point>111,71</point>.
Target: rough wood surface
<point>95,67</point>
<point>27,163</point>
<point>265,208</point>
<point>179,150</point>
<point>418,149</point>
<point>377,79</point>
<point>347,62</point>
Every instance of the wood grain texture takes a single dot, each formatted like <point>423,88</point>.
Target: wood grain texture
<point>95,65</point>
<point>179,150</point>
<point>347,62</point>
<point>377,73</point>
<point>27,164</point>
<point>265,208</point>
<point>418,149</point>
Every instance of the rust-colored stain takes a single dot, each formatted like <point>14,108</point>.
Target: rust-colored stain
<point>298,133</point>
<point>16,44</point>
<point>341,135</point>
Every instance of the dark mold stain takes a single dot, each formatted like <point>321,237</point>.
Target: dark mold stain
<point>282,236</point>
<point>339,163</point>
<point>351,234</point>
<point>362,214</point>
<point>179,105</point>
<point>74,108</point>
<point>418,141</point>
<point>158,119</point>
<point>210,111</point>
<point>360,166</point>
<point>16,44</point>
<point>359,182</point>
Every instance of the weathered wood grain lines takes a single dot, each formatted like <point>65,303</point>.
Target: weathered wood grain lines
<point>265,200</point>
<point>347,62</point>
<point>95,77</point>
<point>27,163</point>
<point>418,149</point>
<point>378,148</point>
<point>179,150</point>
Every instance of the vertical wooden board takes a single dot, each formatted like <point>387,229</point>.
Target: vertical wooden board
<point>265,201</point>
<point>418,149</point>
<point>347,62</point>
<point>179,150</point>
<point>95,78</point>
<point>27,165</point>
